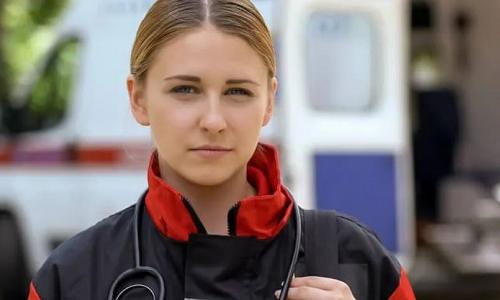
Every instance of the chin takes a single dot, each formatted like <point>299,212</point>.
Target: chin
<point>208,177</point>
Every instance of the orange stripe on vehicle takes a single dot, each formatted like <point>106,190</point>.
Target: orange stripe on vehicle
<point>33,295</point>
<point>119,154</point>
<point>5,154</point>
<point>404,290</point>
<point>98,155</point>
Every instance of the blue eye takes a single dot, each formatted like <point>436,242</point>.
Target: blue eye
<point>184,89</point>
<point>238,91</point>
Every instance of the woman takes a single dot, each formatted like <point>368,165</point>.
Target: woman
<point>216,221</point>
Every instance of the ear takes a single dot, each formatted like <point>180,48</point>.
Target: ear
<point>273,87</point>
<point>137,100</point>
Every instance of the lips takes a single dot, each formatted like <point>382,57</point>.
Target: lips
<point>211,148</point>
<point>211,151</point>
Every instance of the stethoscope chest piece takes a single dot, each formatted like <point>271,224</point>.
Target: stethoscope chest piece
<point>140,283</point>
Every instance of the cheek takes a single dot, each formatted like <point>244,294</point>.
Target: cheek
<point>169,118</point>
<point>248,121</point>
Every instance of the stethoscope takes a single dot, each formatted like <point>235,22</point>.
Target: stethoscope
<point>139,271</point>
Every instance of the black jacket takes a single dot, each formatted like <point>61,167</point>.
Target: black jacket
<point>196,265</point>
<point>210,267</point>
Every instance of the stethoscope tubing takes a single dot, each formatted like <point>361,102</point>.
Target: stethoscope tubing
<point>296,250</point>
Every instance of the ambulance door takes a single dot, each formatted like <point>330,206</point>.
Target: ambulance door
<point>345,114</point>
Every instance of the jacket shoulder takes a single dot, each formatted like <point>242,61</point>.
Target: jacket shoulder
<point>358,244</point>
<point>353,235</point>
<point>75,259</point>
<point>359,257</point>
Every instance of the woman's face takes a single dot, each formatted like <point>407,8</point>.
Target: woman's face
<point>206,97</point>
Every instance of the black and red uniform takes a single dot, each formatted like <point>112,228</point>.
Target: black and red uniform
<point>249,263</point>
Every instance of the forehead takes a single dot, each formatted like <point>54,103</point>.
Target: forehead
<point>207,51</point>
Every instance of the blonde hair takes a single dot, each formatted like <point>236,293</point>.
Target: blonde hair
<point>167,19</point>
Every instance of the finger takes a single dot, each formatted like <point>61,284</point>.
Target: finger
<point>306,293</point>
<point>323,283</point>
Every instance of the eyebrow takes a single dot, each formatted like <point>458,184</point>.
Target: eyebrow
<point>198,79</point>
<point>240,81</point>
<point>183,77</point>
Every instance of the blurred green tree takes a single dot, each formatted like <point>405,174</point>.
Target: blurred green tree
<point>3,65</point>
<point>25,33</point>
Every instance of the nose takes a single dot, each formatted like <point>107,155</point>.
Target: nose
<point>212,119</point>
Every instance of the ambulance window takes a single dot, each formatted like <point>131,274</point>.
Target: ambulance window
<point>48,100</point>
<point>340,61</point>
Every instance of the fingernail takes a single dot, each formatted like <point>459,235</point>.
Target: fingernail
<point>277,294</point>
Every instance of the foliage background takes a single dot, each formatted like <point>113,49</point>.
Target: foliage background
<point>25,33</point>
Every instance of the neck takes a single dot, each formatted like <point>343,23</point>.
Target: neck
<point>211,203</point>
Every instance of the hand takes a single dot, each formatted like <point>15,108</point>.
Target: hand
<point>318,288</point>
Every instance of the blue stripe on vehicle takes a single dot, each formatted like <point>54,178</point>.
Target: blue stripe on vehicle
<point>361,185</point>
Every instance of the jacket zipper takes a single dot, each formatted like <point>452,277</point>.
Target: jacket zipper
<point>194,216</point>
<point>231,219</point>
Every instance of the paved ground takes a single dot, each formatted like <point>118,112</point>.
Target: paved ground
<point>432,279</point>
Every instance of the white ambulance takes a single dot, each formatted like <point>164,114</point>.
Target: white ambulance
<point>75,155</point>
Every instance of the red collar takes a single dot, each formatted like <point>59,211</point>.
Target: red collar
<point>261,216</point>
